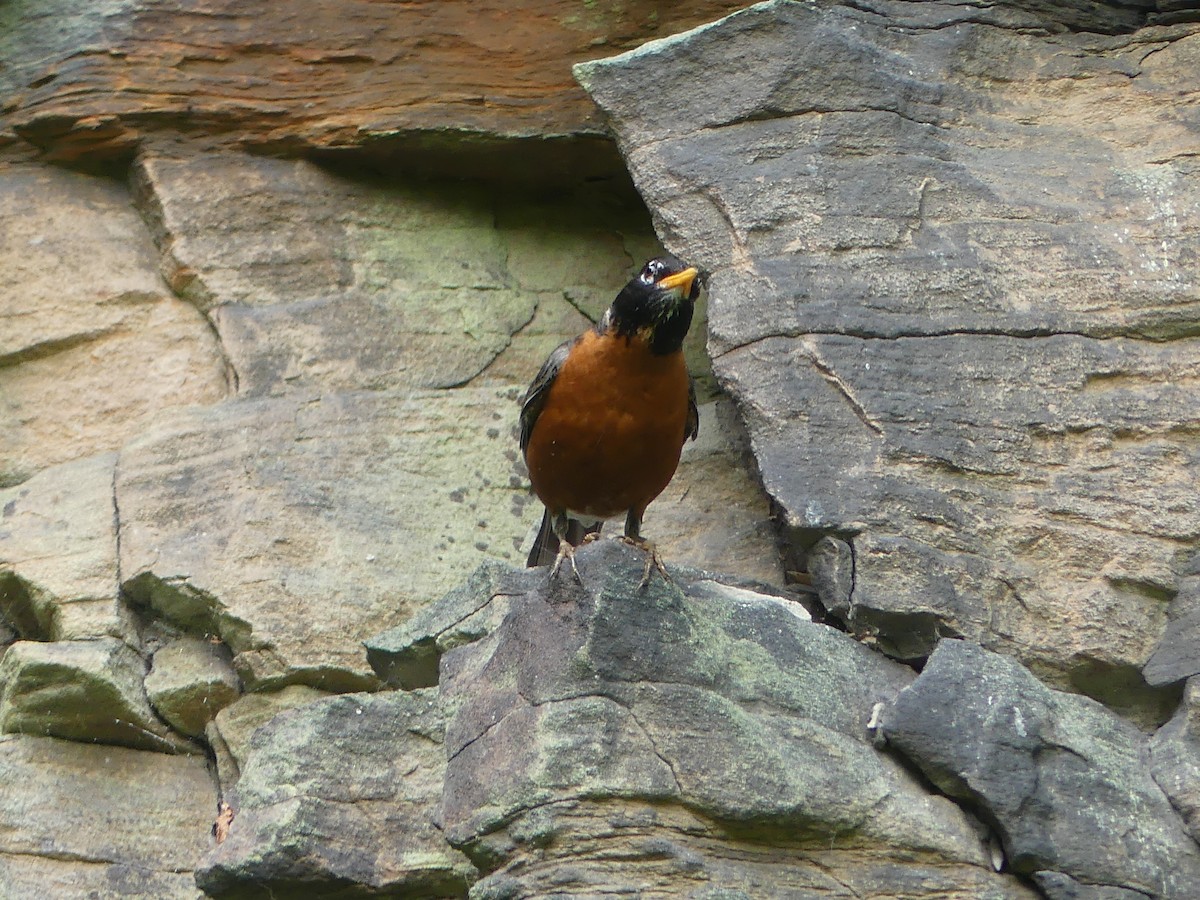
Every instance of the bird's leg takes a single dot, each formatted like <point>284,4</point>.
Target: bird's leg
<point>560,523</point>
<point>633,537</point>
<point>565,551</point>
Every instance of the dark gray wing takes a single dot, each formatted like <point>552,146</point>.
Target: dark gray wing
<point>692,429</point>
<point>535,397</point>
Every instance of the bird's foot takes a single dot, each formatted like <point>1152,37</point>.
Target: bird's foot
<point>565,551</point>
<point>653,560</point>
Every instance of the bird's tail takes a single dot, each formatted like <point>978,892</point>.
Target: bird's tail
<point>545,545</point>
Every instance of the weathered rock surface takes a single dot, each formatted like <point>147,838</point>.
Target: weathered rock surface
<point>1175,758</point>
<point>235,516</point>
<point>311,76</point>
<point>83,314</point>
<point>316,279</point>
<point>295,527</point>
<point>1066,782</point>
<point>683,737</point>
<point>100,822</point>
<point>81,691</point>
<point>319,279</point>
<point>342,793</point>
<point>1177,655</point>
<point>189,682</point>
<point>58,553</point>
<point>230,732</point>
<point>972,361</point>
<point>954,294</point>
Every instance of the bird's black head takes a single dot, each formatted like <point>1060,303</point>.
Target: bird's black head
<point>656,305</point>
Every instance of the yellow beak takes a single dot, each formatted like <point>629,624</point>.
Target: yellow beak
<point>682,280</point>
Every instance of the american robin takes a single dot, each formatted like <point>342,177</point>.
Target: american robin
<point>604,421</point>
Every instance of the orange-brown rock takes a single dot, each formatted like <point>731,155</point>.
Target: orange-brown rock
<point>304,76</point>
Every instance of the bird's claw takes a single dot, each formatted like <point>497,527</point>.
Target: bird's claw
<point>565,551</point>
<point>653,560</point>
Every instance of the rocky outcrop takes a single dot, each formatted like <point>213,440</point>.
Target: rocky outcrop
<point>690,737</point>
<point>958,310</point>
<point>375,79</point>
<point>341,793</point>
<point>696,738</point>
<point>1064,780</point>
<point>259,411</point>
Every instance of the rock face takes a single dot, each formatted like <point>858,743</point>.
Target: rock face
<point>1064,779</point>
<point>74,820</point>
<point>310,76</point>
<point>258,414</point>
<point>342,792</point>
<point>958,313</point>
<point>688,738</point>
<point>58,553</point>
<point>83,314</point>
<point>349,493</point>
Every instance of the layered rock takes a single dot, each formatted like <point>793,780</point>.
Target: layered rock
<point>58,554</point>
<point>342,793</point>
<point>294,528</point>
<point>688,739</point>
<point>94,821</point>
<point>1064,780</point>
<point>316,279</point>
<point>309,76</point>
<point>258,409</point>
<point>93,346</point>
<point>956,308</point>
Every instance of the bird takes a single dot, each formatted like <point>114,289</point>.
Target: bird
<point>604,421</point>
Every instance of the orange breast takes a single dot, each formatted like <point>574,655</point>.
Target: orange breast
<point>609,436</point>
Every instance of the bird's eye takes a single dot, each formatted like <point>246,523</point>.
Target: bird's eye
<point>650,272</point>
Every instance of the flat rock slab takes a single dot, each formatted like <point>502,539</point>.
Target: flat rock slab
<point>295,527</point>
<point>361,76</point>
<point>84,313</point>
<point>78,820</point>
<point>343,791</point>
<point>1067,782</point>
<point>356,285</point>
<point>1037,500</point>
<point>975,363</point>
<point>606,722</point>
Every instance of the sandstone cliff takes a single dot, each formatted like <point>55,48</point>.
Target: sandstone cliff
<point>274,278</point>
